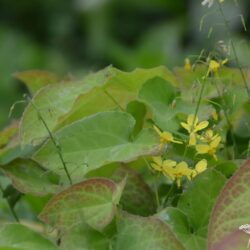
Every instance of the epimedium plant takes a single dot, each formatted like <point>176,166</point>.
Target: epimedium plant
<point>153,159</point>
<point>129,160</point>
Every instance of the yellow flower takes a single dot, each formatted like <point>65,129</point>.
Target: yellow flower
<point>199,167</point>
<point>165,137</point>
<point>157,163</point>
<point>209,148</point>
<point>208,136</point>
<point>192,126</point>
<point>214,66</point>
<point>176,172</point>
<point>187,65</point>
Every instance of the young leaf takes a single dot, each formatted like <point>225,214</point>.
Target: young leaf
<point>17,236</point>
<point>116,93</point>
<point>232,209</point>
<point>92,201</point>
<point>161,97</point>
<point>95,141</point>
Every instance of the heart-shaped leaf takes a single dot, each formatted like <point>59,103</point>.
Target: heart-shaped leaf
<point>92,201</point>
<point>232,209</point>
<point>116,93</point>
<point>53,101</point>
<point>136,233</point>
<point>196,203</point>
<point>95,141</point>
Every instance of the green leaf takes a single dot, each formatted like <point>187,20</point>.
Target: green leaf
<point>53,101</point>
<point>13,151</point>
<point>136,233</point>
<point>8,134</point>
<point>21,237</point>
<point>227,167</point>
<point>36,79</point>
<point>137,197</point>
<point>95,141</point>
<point>92,201</point>
<point>10,144</point>
<point>84,238</point>
<point>231,210</point>
<point>27,176</point>
<point>116,93</point>
<point>178,222</point>
<point>241,120</point>
<point>197,202</point>
<point>161,97</point>
<point>138,111</point>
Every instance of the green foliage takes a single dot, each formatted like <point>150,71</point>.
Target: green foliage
<point>110,131</point>
<point>16,236</point>
<point>230,212</point>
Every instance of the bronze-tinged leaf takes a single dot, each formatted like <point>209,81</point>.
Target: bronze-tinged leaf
<point>231,210</point>
<point>92,201</point>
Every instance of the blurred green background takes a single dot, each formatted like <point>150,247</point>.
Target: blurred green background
<point>79,36</point>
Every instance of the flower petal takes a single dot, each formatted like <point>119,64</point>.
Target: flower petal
<point>215,143</point>
<point>169,163</point>
<point>201,166</point>
<point>186,126</point>
<point>156,167</point>
<point>192,139</point>
<point>201,126</point>
<point>157,160</point>
<point>202,148</point>
<point>192,120</point>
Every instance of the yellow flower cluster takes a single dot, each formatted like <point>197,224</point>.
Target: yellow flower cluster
<point>175,171</point>
<point>213,65</point>
<point>208,143</point>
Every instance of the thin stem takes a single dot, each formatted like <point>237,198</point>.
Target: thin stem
<point>225,113</point>
<point>155,186</point>
<point>13,212</point>
<point>198,103</point>
<point>114,100</point>
<point>169,193</point>
<point>57,146</point>
<point>233,47</point>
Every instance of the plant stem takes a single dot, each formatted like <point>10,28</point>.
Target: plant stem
<point>233,47</point>
<point>57,146</point>
<point>114,100</point>
<point>225,113</point>
<point>169,193</point>
<point>155,186</point>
